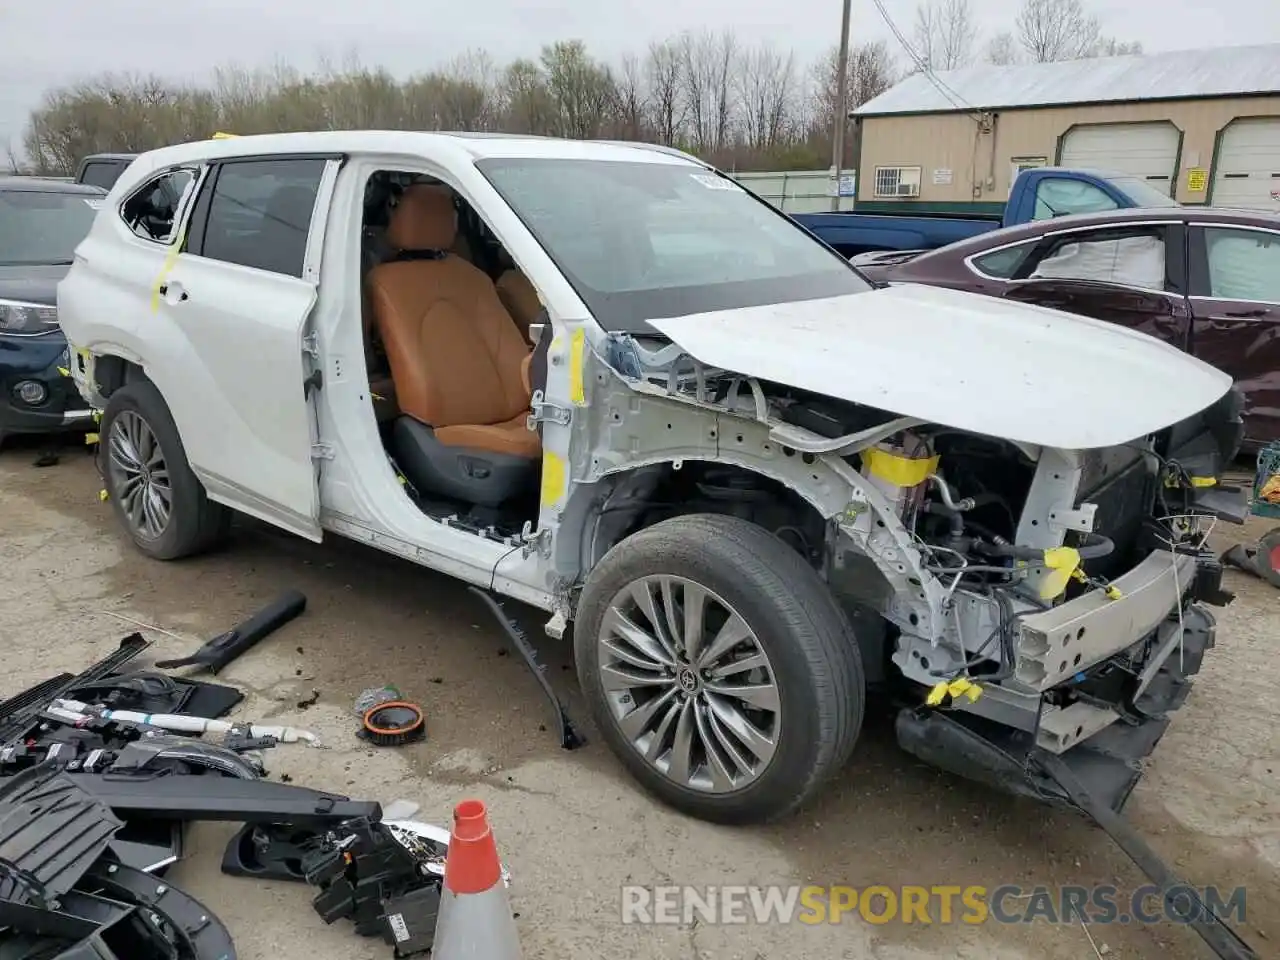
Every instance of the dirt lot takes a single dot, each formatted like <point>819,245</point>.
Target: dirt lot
<point>571,826</point>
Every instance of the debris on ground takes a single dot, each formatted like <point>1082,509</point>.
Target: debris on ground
<point>374,696</point>
<point>100,773</point>
<point>1262,557</point>
<point>570,737</point>
<point>393,723</point>
<point>222,649</point>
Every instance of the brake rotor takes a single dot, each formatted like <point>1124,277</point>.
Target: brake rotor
<point>393,723</point>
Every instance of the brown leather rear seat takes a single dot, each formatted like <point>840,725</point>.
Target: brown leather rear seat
<point>457,359</point>
<point>520,298</point>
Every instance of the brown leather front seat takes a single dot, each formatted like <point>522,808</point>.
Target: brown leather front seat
<point>455,354</point>
<point>520,298</point>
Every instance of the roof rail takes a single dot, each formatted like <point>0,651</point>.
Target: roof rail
<point>658,148</point>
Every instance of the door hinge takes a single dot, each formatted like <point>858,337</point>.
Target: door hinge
<point>321,451</point>
<point>313,383</point>
<point>532,542</point>
<point>311,346</point>
<point>546,412</point>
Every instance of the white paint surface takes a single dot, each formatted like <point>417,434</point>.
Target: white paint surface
<point>976,363</point>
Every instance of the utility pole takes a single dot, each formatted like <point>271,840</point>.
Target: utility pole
<point>842,102</point>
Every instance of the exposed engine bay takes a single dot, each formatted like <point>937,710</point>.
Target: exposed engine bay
<point>1046,593</point>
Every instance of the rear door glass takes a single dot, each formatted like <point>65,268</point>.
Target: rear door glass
<point>1243,264</point>
<point>1134,258</point>
<point>260,213</point>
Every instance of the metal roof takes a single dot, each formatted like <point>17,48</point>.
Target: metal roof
<point>1215,72</point>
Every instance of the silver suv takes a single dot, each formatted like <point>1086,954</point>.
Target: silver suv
<point>607,381</point>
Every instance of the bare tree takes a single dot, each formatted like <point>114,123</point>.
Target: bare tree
<point>766,82</point>
<point>1002,50</point>
<point>632,99</point>
<point>582,89</point>
<point>707,62</point>
<point>528,104</point>
<point>749,109</point>
<point>1111,47</point>
<point>871,71</point>
<point>11,159</point>
<point>945,34</point>
<point>664,78</point>
<point>1051,30</point>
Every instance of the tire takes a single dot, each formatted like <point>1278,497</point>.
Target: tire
<point>812,659</point>
<point>195,524</point>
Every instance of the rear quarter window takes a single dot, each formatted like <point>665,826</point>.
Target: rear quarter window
<point>1002,264</point>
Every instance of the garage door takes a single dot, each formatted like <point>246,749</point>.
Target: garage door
<point>1248,166</point>
<point>1146,150</point>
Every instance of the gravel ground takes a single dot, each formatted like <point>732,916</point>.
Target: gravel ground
<point>571,826</point>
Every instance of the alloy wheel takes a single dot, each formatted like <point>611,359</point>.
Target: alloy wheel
<point>689,684</point>
<point>139,475</point>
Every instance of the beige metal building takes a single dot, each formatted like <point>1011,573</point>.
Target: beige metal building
<point>1203,125</point>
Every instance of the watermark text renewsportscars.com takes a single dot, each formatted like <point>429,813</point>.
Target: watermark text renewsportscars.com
<point>936,904</point>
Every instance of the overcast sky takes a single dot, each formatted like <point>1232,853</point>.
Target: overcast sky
<point>50,42</point>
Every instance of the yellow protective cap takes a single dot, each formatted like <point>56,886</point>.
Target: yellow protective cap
<point>1062,564</point>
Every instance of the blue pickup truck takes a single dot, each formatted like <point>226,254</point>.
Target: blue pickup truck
<point>1037,194</point>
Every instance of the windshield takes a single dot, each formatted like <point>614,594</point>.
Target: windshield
<point>1142,193</point>
<point>644,241</point>
<point>43,227</point>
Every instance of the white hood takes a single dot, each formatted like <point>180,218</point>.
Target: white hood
<point>963,360</point>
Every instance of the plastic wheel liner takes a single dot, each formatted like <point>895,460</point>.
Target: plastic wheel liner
<point>62,899</point>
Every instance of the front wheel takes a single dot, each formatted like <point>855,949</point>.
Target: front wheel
<point>149,483</point>
<point>719,668</point>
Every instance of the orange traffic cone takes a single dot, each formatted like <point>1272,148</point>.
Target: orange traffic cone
<point>475,917</point>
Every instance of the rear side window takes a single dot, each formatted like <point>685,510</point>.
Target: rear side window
<point>1243,264</point>
<point>102,173</point>
<point>154,209</point>
<point>259,213</point>
<point>1132,258</point>
<point>1002,264</point>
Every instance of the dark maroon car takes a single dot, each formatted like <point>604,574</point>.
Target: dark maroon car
<point>1203,279</point>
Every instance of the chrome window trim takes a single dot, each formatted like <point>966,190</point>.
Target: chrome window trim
<point>972,267</point>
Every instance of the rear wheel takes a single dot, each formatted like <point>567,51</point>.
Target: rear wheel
<point>149,483</point>
<point>718,668</point>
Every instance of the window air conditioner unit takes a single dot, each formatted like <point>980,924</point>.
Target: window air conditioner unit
<point>908,182</point>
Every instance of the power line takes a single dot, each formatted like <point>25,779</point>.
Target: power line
<point>922,65</point>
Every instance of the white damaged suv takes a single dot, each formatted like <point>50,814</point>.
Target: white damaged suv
<point>605,380</point>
